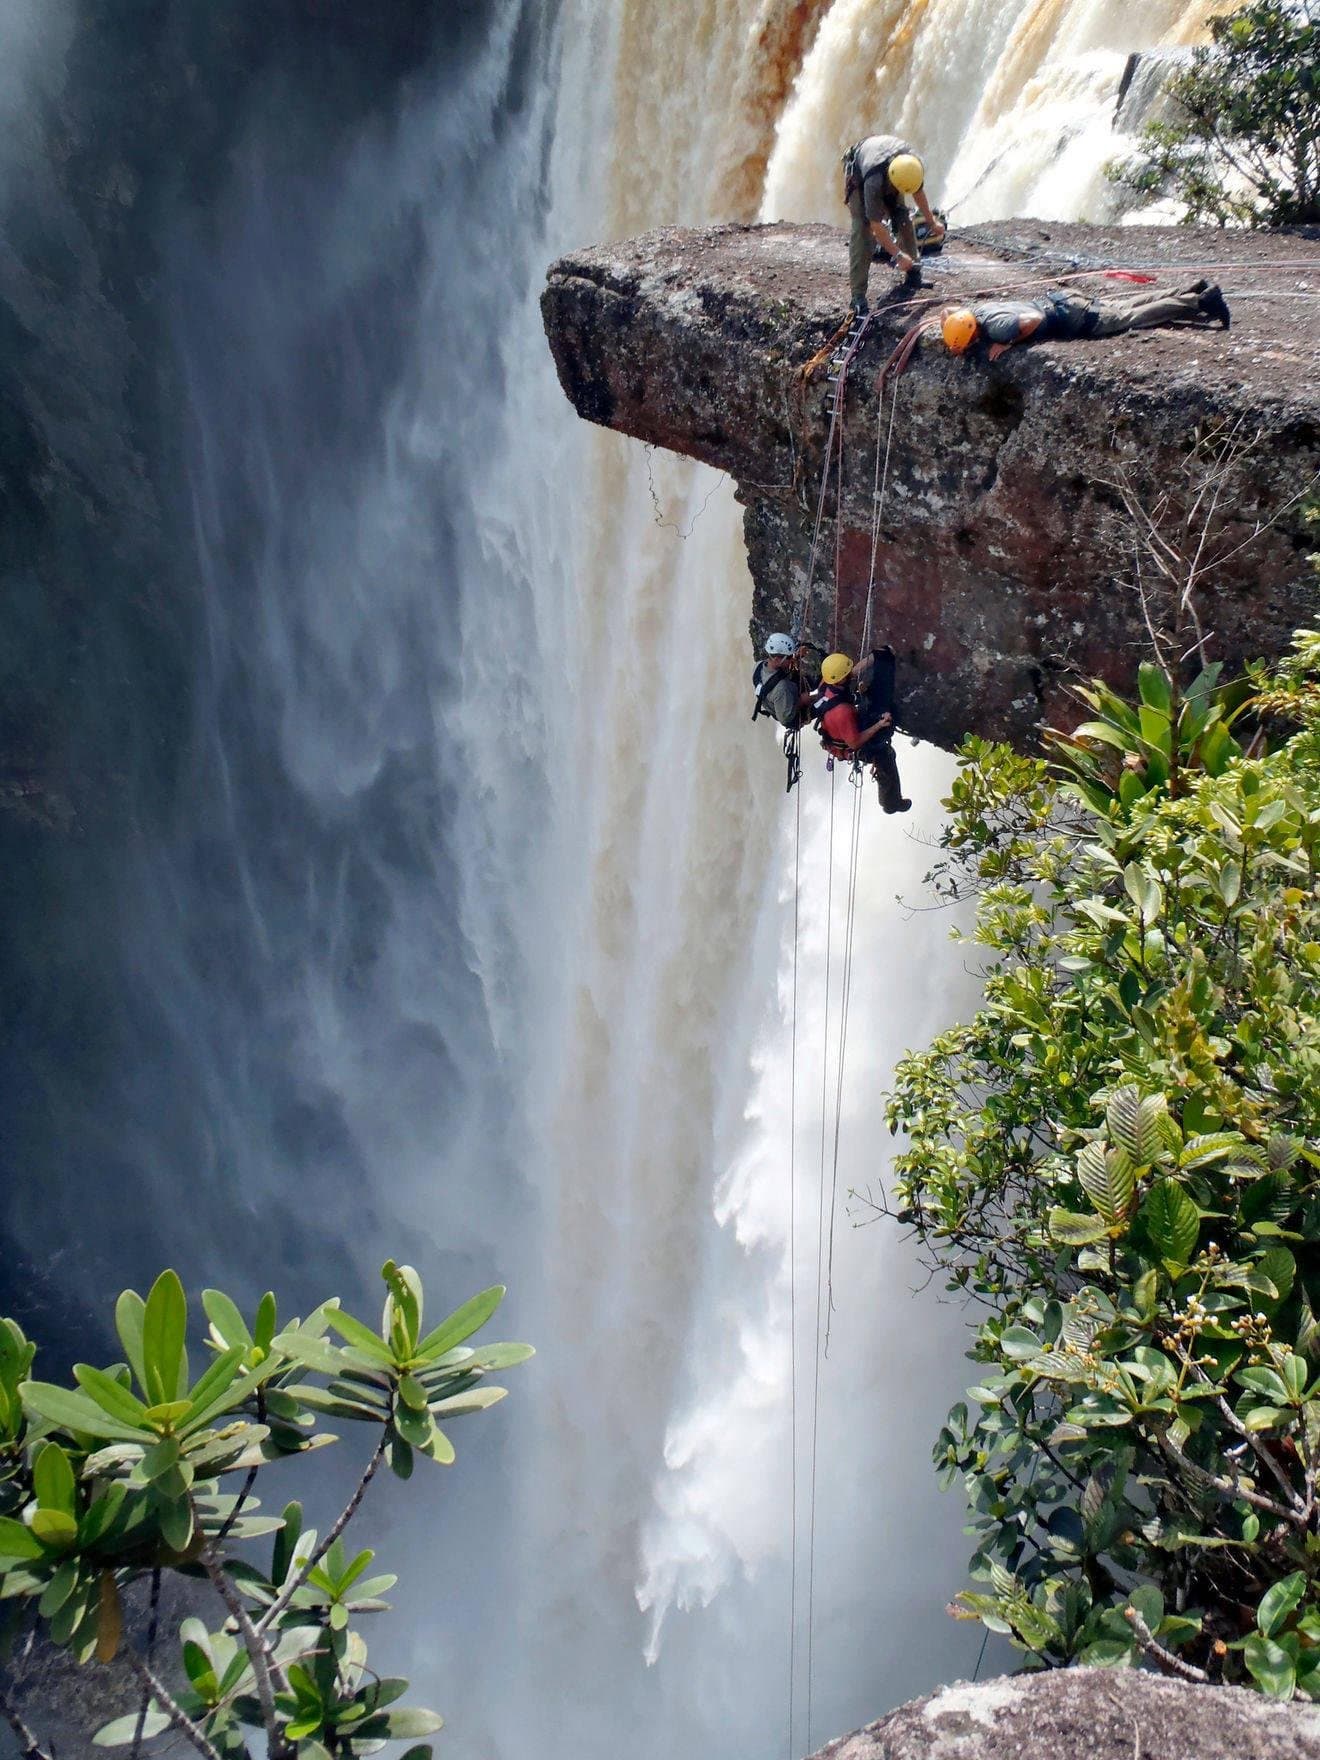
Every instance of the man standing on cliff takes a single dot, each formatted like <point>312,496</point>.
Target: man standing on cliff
<point>878,174</point>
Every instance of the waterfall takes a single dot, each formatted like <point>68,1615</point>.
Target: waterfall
<point>471,940</point>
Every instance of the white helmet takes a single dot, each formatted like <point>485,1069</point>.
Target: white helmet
<point>779,647</point>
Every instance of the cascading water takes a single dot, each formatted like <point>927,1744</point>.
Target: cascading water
<point>474,939</point>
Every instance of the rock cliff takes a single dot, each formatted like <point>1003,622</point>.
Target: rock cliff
<point>1087,1714</point>
<point>1003,561</point>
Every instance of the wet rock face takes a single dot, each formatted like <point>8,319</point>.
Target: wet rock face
<point>1002,556</point>
<point>1087,1714</point>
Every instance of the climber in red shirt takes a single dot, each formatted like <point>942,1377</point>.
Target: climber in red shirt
<point>851,696</point>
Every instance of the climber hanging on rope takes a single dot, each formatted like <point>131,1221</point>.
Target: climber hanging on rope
<point>1063,315</point>
<point>785,681</point>
<point>854,712</point>
<point>878,174</point>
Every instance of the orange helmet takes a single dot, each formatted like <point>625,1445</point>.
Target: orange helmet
<point>959,330</point>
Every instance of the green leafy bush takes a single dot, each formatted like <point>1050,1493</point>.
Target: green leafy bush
<point>1119,1156</point>
<point>1245,147</point>
<point>112,1483</point>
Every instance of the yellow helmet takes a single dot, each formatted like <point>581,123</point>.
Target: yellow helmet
<point>834,668</point>
<point>959,329</point>
<point>907,173</point>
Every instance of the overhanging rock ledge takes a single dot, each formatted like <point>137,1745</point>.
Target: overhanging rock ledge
<point>999,567</point>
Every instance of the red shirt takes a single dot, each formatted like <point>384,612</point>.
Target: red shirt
<point>841,724</point>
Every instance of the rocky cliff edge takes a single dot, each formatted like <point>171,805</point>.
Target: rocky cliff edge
<point>1003,556</point>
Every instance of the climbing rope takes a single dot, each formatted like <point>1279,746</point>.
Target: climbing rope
<point>792,1273</point>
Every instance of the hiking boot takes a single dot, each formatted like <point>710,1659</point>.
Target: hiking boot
<point>1213,305</point>
<point>903,806</point>
<point>912,280</point>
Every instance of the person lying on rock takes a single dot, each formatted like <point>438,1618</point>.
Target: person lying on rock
<point>854,711</point>
<point>878,174</point>
<point>1063,315</point>
<point>785,680</point>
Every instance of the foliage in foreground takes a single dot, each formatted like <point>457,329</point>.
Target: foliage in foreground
<point>1120,1157</point>
<point>109,1485</point>
<point>1246,146</point>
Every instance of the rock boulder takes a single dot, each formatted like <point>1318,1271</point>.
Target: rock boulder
<point>1087,1714</point>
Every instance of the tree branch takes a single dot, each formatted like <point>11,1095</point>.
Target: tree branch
<point>153,1626</point>
<point>1152,1646</point>
<point>258,1650</point>
<point>179,1718</point>
<point>30,1747</point>
<point>346,1515</point>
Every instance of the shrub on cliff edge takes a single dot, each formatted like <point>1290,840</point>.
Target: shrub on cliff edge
<point>1119,1158</point>
<point>1245,144</point>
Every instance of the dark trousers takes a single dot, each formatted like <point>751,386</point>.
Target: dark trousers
<point>1144,311</point>
<point>875,699</point>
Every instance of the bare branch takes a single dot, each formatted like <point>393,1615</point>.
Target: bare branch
<point>29,1746</point>
<point>1152,1646</point>
<point>346,1515</point>
<point>258,1650</point>
<point>169,1705</point>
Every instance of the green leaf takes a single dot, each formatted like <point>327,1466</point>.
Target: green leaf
<point>176,1524</point>
<point>1279,1269</point>
<point>405,1720</point>
<point>218,1378</point>
<point>1155,688</point>
<point>226,1320</point>
<point>1108,1178</point>
<point>123,1730</point>
<point>160,1458</point>
<point>412,1393</point>
<point>1279,1601</point>
<point>1154,1130</point>
<point>52,1479</point>
<point>461,1324</point>
<point>74,1412</point>
<point>1072,1229</point>
<point>501,1356</point>
<point>200,1671</point>
<point>1143,890</point>
<point>112,1396</point>
<point>1104,734</point>
<point>1270,1666</point>
<point>1264,1381</point>
<point>360,1335</point>
<point>100,1517</point>
<point>1172,1221</point>
<point>130,1316</point>
<point>317,1354</point>
<point>164,1329</point>
<point>17,1540</point>
<point>263,1328</point>
<point>282,1551</point>
<point>439,1448</point>
<point>1121,1114</point>
<point>476,1399</point>
<point>54,1527</point>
